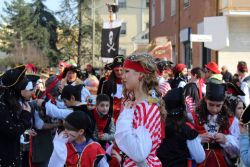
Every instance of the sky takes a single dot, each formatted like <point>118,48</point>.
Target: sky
<point>53,5</point>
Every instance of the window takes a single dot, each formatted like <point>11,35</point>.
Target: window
<point>186,3</point>
<point>173,7</point>
<point>153,13</point>
<point>188,54</point>
<point>147,25</point>
<point>123,29</point>
<point>206,55</point>
<point>147,3</point>
<point>122,51</point>
<point>122,3</point>
<point>162,10</point>
<point>145,36</point>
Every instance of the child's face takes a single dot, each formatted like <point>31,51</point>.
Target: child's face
<point>103,107</point>
<point>239,110</point>
<point>131,79</point>
<point>73,135</point>
<point>214,107</point>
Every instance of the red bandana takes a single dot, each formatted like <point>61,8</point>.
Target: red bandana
<point>135,66</point>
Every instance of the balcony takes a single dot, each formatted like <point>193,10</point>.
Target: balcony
<point>234,7</point>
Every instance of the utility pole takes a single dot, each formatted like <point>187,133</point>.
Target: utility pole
<point>93,32</point>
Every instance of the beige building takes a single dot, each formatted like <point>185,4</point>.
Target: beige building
<point>237,13</point>
<point>135,17</point>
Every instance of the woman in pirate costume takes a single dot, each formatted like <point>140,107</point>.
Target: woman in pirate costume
<point>14,113</point>
<point>218,128</point>
<point>113,86</point>
<point>138,128</point>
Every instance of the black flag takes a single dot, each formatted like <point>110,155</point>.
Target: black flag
<point>110,41</point>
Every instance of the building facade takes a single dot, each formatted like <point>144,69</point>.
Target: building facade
<point>135,21</point>
<point>177,19</point>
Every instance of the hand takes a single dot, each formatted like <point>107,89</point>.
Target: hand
<point>242,127</point>
<point>32,132</point>
<point>39,102</point>
<point>60,88</point>
<point>61,137</point>
<point>220,138</point>
<point>129,104</point>
<point>26,107</point>
<point>205,138</point>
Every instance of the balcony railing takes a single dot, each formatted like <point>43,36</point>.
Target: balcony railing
<point>234,5</point>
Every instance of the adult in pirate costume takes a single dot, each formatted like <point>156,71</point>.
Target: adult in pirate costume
<point>15,115</point>
<point>245,81</point>
<point>217,127</point>
<point>113,86</point>
<point>105,76</point>
<point>71,76</point>
<point>180,76</point>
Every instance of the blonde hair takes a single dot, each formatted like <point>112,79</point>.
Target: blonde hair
<point>149,80</point>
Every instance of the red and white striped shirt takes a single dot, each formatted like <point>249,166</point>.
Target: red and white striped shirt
<point>148,115</point>
<point>164,87</point>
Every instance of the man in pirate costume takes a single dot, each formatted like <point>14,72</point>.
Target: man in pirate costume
<point>113,86</point>
<point>217,127</point>
<point>14,113</point>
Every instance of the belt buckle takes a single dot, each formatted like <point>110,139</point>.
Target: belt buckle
<point>208,148</point>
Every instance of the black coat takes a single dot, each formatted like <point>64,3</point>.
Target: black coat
<point>12,125</point>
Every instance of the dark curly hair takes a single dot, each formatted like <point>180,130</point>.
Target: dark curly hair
<point>223,115</point>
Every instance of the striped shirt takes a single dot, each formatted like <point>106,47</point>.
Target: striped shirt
<point>164,87</point>
<point>148,115</point>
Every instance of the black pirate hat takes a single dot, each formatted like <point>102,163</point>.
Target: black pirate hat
<point>11,78</point>
<point>118,61</point>
<point>72,68</point>
<point>245,117</point>
<point>108,66</point>
<point>174,102</point>
<point>234,90</point>
<point>164,64</point>
<point>33,77</point>
<point>215,92</point>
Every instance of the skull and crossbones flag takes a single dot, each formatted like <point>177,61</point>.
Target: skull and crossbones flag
<point>110,39</point>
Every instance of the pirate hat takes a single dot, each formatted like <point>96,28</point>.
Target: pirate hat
<point>113,7</point>
<point>108,66</point>
<point>174,101</point>
<point>33,77</point>
<point>72,68</point>
<point>12,77</point>
<point>245,117</point>
<point>118,61</point>
<point>215,92</point>
<point>234,90</point>
<point>212,66</point>
<point>163,64</point>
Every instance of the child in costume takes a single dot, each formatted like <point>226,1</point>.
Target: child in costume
<point>75,146</point>
<point>218,128</point>
<point>138,128</point>
<point>104,123</point>
<point>181,144</point>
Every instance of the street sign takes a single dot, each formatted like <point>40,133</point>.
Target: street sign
<point>200,38</point>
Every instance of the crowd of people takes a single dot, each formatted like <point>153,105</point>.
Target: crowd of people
<point>141,111</point>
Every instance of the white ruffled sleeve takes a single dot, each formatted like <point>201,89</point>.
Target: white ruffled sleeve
<point>135,143</point>
<point>232,144</point>
<point>196,150</point>
<point>59,154</point>
<point>54,112</point>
